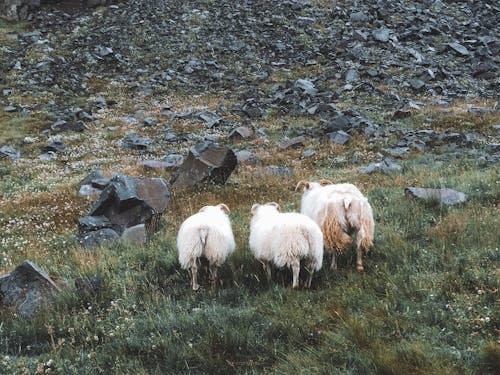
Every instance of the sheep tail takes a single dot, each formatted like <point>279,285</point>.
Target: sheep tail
<point>334,236</point>
<point>203,234</point>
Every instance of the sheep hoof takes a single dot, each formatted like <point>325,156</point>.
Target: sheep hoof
<point>360,268</point>
<point>196,287</point>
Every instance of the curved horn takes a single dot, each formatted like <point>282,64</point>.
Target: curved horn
<point>224,207</point>
<point>254,207</point>
<point>274,204</point>
<point>302,183</point>
<point>325,182</point>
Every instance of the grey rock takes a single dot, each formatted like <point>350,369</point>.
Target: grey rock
<point>417,84</point>
<point>351,76</point>
<point>136,234</point>
<point>211,118</point>
<point>308,153</point>
<point>10,108</point>
<point>340,137</point>
<point>247,157</point>
<point>56,146</point>
<point>128,201</point>
<point>241,132</point>
<point>154,165</point>
<point>88,191</point>
<point>48,156</point>
<point>277,170</point>
<point>385,166</point>
<point>149,121</point>
<point>63,126</point>
<point>382,34</point>
<point>307,86</point>
<point>16,10</point>
<point>293,143</point>
<point>459,48</point>
<point>89,224</point>
<point>98,238</point>
<point>173,161</point>
<point>134,142</point>
<point>9,152</point>
<point>359,17</point>
<point>398,151</point>
<point>443,196</point>
<point>87,180</point>
<point>206,162</point>
<point>28,288</point>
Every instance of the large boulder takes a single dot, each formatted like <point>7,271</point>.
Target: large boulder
<point>443,196</point>
<point>207,162</point>
<point>128,207</point>
<point>28,288</point>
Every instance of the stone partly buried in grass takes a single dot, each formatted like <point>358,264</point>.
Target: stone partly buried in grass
<point>28,288</point>
<point>442,196</point>
<point>128,209</point>
<point>207,162</point>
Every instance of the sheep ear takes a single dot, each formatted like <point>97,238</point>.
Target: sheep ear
<point>254,208</point>
<point>325,182</point>
<point>347,203</point>
<point>302,183</point>
<point>274,204</point>
<point>225,208</point>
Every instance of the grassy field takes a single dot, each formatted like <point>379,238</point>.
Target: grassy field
<point>426,304</point>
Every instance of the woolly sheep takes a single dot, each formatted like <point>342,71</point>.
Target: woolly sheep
<point>205,234</point>
<point>339,209</point>
<point>285,239</point>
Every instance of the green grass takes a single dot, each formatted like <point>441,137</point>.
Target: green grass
<point>426,303</point>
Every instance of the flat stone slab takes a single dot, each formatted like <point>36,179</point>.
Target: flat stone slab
<point>443,196</point>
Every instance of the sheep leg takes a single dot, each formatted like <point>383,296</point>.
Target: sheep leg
<point>310,270</point>
<point>194,274</point>
<point>213,275</point>
<point>359,259</point>
<point>296,271</point>
<point>267,269</point>
<point>334,261</point>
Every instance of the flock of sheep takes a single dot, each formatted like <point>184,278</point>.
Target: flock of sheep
<point>329,214</point>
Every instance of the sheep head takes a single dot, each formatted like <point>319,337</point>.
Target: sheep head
<point>274,204</point>
<point>256,206</point>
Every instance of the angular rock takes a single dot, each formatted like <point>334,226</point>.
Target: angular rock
<point>211,118</point>
<point>340,137</point>
<point>63,126</point>
<point>206,162</point>
<point>443,196</point>
<point>134,142</point>
<point>136,234</point>
<point>307,86</point>
<point>28,288</point>
<point>293,143</point>
<point>173,161</point>
<point>88,191</point>
<point>89,224</point>
<point>246,157</point>
<point>382,35</point>
<point>277,170</point>
<point>457,47</point>
<point>351,76</point>
<point>56,146</point>
<point>98,238</point>
<point>8,152</point>
<point>385,166</point>
<point>154,165</point>
<point>10,108</point>
<point>241,132</point>
<point>127,201</point>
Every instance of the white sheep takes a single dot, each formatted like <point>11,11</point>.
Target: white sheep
<point>205,234</point>
<point>339,209</point>
<point>285,239</point>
